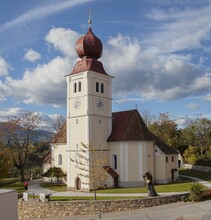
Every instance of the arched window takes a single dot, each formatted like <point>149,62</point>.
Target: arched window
<point>79,86</point>
<point>102,88</point>
<point>114,161</point>
<point>60,159</point>
<point>97,86</point>
<point>74,87</point>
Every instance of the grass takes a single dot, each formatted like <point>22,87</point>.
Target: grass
<point>18,186</point>
<point>175,187</point>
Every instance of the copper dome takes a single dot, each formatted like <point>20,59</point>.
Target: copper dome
<point>89,46</point>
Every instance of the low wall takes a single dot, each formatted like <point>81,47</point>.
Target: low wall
<point>8,205</point>
<point>197,167</point>
<point>35,209</point>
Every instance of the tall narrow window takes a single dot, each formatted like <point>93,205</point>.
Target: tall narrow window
<point>74,87</point>
<point>172,159</point>
<point>60,159</point>
<point>97,86</point>
<point>166,159</point>
<point>79,86</point>
<point>114,161</point>
<point>102,88</point>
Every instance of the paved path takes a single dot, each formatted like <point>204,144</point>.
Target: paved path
<point>36,189</point>
<point>203,182</point>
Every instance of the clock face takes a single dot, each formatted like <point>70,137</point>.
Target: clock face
<point>100,104</point>
<point>76,103</point>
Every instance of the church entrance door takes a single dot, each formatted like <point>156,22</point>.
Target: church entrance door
<point>78,183</point>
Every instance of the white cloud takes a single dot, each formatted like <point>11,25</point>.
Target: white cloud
<point>4,67</point>
<point>207,98</point>
<point>46,83</point>
<point>46,121</point>
<point>43,85</point>
<point>182,30</point>
<point>32,55</point>
<point>192,106</point>
<point>9,112</point>
<point>152,76</point>
<point>4,91</point>
<point>63,39</point>
<point>40,12</point>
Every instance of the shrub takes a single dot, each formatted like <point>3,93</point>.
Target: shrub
<point>196,192</point>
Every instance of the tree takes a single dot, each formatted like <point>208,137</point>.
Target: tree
<point>6,163</point>
<point>166,130</point>
<point>36,155</point>
<point>19,135</point>
<point>198,134</point>
<point>54,172</point>
<point>58,123</point>
<point>90,164</point>
<point>191,155</point>
<point>147,117</point>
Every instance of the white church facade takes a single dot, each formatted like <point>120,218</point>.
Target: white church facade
<point>121,138</point>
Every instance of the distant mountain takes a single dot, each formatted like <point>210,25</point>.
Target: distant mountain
<point>37,135</point>
<point>42,135</point>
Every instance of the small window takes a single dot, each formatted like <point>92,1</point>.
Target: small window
<point>114,161</point>
<point>74,87</point>
<point>97,86</point>
<point>60,159</point>
<point>102,88</point>
<point>172,159</point>
<point>100,121</point>
<point>76,121</point>
<point>79,86</point>
<point>166,159</point>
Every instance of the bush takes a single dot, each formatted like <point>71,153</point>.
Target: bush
<point>196,192</point>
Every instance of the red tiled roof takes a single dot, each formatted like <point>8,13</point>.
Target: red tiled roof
<point>163,146</point>
<point>88,64</point>
<point>129,126</point>
<point>60,136</point>
<point>47,158</point>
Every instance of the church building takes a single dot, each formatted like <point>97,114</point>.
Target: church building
<point>121,138</point>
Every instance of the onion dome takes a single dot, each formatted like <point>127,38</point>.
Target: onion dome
<point>89,46</point>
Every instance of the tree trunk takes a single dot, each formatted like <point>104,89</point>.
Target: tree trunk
<point>22,175</point>
<point>94,190</point>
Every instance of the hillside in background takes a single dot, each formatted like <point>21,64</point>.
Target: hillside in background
<point>39,135</point>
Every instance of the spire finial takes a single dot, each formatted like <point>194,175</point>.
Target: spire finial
<point>90,20</point>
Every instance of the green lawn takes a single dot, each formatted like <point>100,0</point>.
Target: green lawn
<point>55,187</point>
<point>175,187</point>
<point>196,173</point>
<point>18,186</point>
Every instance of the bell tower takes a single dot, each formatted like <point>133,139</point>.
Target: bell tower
<point>89,105</point>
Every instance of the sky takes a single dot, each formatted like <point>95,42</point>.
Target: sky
<point>159,52</point>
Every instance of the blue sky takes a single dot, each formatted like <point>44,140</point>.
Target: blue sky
<point>159,52</point>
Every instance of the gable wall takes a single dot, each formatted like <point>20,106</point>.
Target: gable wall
<point>57,149</point>
<point>163,168</point>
